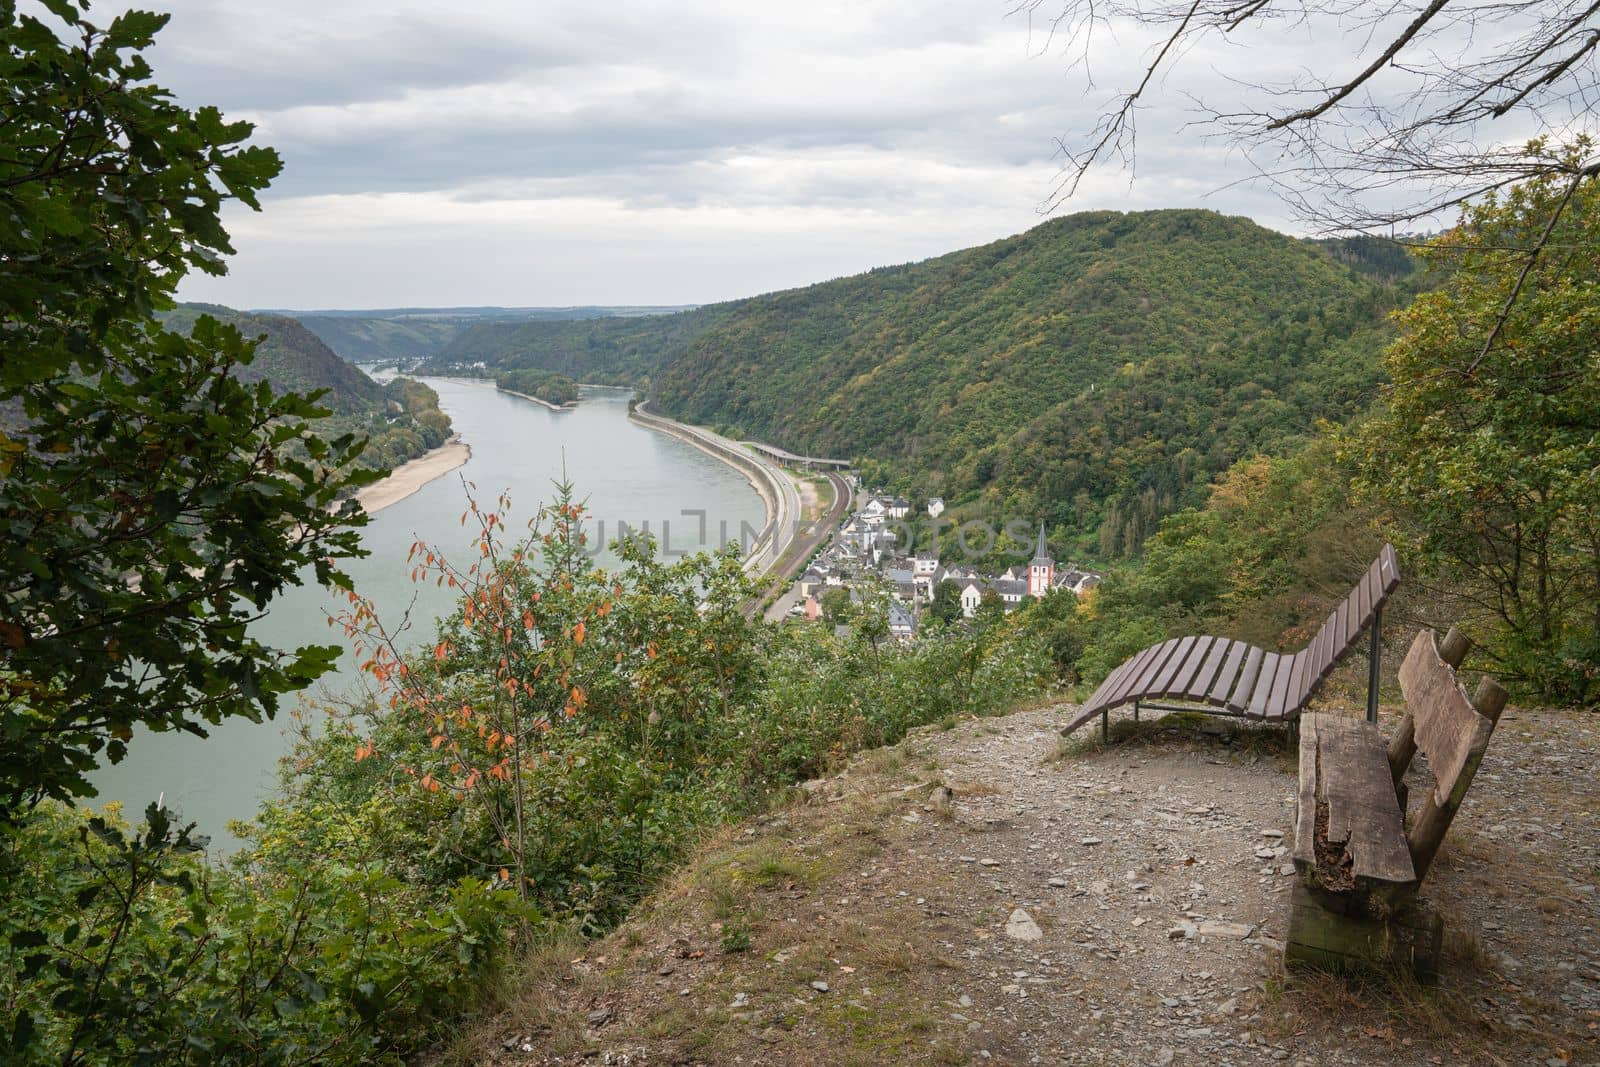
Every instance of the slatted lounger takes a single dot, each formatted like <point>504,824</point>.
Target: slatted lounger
<point>1223,677</point>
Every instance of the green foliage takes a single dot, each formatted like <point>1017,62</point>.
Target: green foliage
<point>615,350</point>
<point>576,742</point>
<point>397,421</point>
<point>946,605</point>
<point>548,386</point>
<point>289,356</point>
<point>836,606</point>
<point>129,949</point>
<point>1276,544</point>
<point>151,502</point>
<point>1487,445</point>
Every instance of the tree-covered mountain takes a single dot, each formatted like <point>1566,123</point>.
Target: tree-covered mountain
<point>614,350</point>
<point>401,419</point>
<point>1097,371</point>
<point>407,334</point>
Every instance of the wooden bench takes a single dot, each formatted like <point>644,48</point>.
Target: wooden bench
<point>1355,904</point>
<point>1223,677</point>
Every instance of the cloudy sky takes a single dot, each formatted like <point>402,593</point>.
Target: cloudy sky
<point>652,151</point>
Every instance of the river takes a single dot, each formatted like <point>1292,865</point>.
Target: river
<point>624,473</point>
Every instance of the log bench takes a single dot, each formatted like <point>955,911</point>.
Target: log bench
<point>1355,904</point>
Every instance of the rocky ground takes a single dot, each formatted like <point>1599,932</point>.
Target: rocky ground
<point>989,894</point>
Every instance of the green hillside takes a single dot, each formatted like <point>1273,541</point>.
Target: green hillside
<point>291,357</point>
<point>1097,371</point>
<point>402,419</point>
<point>607,351</point>
<point>376,340</point>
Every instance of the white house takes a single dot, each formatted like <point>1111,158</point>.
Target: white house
<point>935,506</point>
<point>899,507</point>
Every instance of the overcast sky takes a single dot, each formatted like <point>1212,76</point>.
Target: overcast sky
<point>648,152</point>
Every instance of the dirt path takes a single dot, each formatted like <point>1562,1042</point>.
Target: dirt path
<point>986,895</point>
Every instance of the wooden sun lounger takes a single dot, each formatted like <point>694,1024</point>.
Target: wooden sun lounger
<point>1224,677</point>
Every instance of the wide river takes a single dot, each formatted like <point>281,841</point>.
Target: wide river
<point>625,474</point>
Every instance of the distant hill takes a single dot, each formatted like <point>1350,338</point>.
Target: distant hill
<point>401,419</point>
<point>407,334</point>
<point>1096,371</point>
<point>614,350</point>
<point>291,357</point>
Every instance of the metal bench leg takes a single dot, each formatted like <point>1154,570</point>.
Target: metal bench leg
<point>1135,711</point>
<point>1372,665</point>
<point>1105,727</point>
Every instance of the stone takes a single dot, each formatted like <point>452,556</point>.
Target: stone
<point>1090,841</point>
<point>1230,931</point>
<point>820,986</point>
<point>987,862</point>
<point>599,1017</point>
<point>1058,883</point>
<point>1021,927</point>
<point>1182,932</point>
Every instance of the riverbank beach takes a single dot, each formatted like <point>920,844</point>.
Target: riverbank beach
<point>414,474</point>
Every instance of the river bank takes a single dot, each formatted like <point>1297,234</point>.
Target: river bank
<point>777,492</point>
<point>414,474</point>
<point>538,400</point>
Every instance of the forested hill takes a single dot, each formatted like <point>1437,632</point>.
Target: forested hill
<point>608,351</point>
<point>405,334</point>
<point>1096,371</point>
<point>400,419</point>
<point>291,357</point>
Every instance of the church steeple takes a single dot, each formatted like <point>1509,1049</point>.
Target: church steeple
<point>1042,571</point>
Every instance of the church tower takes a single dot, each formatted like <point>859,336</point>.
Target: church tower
<point>1042,571</point>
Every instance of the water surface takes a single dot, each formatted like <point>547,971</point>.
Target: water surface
<point>625,474</point>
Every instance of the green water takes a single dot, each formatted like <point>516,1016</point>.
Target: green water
<point>625,473</point>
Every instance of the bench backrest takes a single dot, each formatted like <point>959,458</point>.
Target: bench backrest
<point>1451,730</point>
<point>1337,635</point>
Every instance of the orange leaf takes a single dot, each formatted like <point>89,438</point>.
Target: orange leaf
<point>578,633</point>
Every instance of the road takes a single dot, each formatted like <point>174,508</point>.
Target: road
<point>776,487</point>
<point>801,548</point>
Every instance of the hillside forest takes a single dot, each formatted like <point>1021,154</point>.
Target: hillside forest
<point>399,420</point>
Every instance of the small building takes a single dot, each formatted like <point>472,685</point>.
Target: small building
<point>899,508</point>
<point>1041,571</point>
<point>935,506</point>
<point>811,581</point>
<point>902,623</point>
<point>1010,591</point>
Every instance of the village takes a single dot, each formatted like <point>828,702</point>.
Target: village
<point>872,560</point>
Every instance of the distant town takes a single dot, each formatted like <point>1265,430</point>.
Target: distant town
<point>865,562</point>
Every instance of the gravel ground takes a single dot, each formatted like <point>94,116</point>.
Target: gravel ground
<point>988,894</point>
